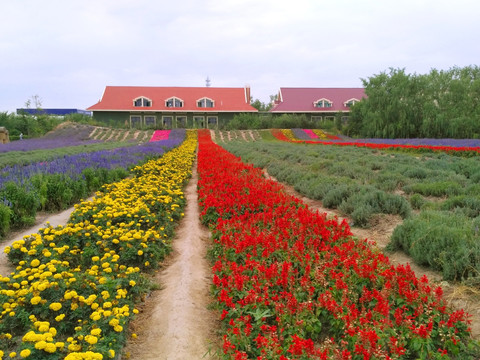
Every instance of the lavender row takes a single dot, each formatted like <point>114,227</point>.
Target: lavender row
<point>73,165</point>
<point>301,135</point>
<point>74,137</point>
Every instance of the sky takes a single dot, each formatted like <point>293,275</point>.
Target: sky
<point>64,52</point>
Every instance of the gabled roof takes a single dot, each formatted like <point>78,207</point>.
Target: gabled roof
<point>120,98</point>
<point>303,99</point>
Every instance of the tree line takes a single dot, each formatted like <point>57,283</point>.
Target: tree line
<point>440,104</point>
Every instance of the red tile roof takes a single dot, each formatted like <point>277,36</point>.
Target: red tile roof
<point>121,98</point>
<point>302,99</point>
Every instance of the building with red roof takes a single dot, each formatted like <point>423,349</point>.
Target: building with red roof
<point>318,103</point>
<point>171,107</point>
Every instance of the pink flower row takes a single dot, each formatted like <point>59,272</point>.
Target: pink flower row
<point>160,135</point>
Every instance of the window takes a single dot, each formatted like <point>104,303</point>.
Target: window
<point>323,103</point>
<point>181,121</point>
<point>142,101</point>
<point>350,102</point>
<point>149,120</point>
<point>174,102</point>
<point>316,118</point>
<point>135,121</point>
<point>205,103</point>
<point>199,121</point>
<point>212,121</point>
<point>167,121</point>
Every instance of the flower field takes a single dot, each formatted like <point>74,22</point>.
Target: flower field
<point>55,183</point>
<point>463,147</point>
<point>74,288</point>
<point>291,284</point>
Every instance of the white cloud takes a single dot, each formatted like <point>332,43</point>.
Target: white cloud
<point>68,51</point>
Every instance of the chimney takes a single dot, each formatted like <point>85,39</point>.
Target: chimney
<point>247,94</point>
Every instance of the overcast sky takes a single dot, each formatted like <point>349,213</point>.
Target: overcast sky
<point>67,51</point>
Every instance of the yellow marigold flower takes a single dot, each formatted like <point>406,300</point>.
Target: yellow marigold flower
<point>34,263</point>
<point>25,353</point>
<point>50,348</point>
<point>55,306</point>
<point>42,286</point>
<point>118,328</point>
<point>95,258</point>
<point>140,252</point>
<point>134,336</point>
<point>35,300</point>
<point>111,353</point>
<point>60,317</point>
<point>107,305</point>
<point>91,339</point>
<point>73,347</point>
<point>132,283</point>
<point>96,332</point>
<point>12,354</point>
<point>40,345</point>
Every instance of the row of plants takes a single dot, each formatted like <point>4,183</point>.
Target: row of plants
<point>74,288</point>
<point>291,284</point>
<point>457,147</point>
<point>57,183</point>
<point>362,182</point>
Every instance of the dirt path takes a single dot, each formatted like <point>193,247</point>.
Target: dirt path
<point>174,322</point>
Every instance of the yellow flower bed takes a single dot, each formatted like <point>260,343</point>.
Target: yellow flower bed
<point>320,134</point>
<point>74,288</point>
<point>289,134</point>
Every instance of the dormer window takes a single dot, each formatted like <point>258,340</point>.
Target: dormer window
<point>205,103</point>
<point>142,102</point>
<point>350,102</point>
<point>323,103</point>
<point>174,102</point>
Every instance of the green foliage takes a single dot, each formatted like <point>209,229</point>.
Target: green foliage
<point>5,214</point>
<point>29,125</point>
<point>441,104</point>
<point>271,121</point>
<point>437,188</point>
<point>467,205</point>
<point>337,195</point>
<point>448,242</point>
<point>417,201</point>
<point>24,204</point>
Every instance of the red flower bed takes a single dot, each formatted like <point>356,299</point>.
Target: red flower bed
<point>449,149</point>
<point>292,284</point>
